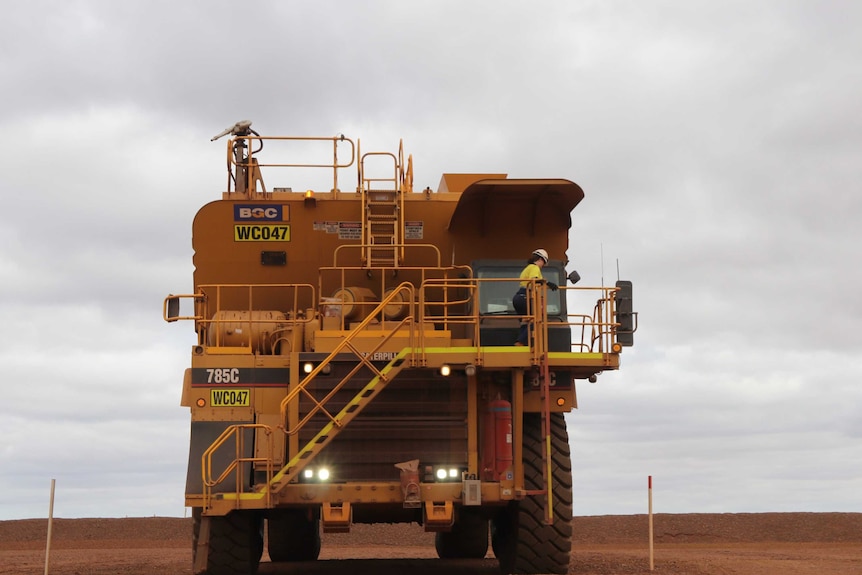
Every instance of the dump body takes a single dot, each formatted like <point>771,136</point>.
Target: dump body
<point>355,359</point>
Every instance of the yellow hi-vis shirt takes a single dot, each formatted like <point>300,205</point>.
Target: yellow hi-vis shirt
<point>532,271</point>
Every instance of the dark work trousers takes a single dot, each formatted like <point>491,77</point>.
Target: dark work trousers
<point>519,302</point>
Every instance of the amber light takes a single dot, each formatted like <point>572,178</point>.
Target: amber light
<point>561,402</point>
<point>310,201</point>
<point>201,402</point>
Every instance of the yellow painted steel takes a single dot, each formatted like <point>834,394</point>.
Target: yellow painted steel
<point>439,319</point>
<point>410,355</point>
<point>355,493</point>
<point>251,167</point>
<point>336,518</point>
<point>550,482</point>
<point>382,214</point>
<point>236,465</point>
<point>518,432</point>
<point>330,430</point>
<point>592,348</point>
<point>539,300</point>
<point>439,515</point>
<point>363,360</point>
<point>472,427</point>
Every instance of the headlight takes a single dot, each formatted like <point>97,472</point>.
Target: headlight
<point>444,473</point>
<point>316,475</point>
<point>308,367</point>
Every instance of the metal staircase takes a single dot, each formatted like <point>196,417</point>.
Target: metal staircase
<point>337,422</point>
<point>353,407</point>
<point>262,495</point>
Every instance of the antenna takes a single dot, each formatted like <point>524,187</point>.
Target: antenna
<point>602,252</point>
<point>618,269</point>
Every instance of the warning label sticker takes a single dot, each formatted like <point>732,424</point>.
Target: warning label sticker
<point>328,227</point>
<point>349,230</point>
<point>413,230</point>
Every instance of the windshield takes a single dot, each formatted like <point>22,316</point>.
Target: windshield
<point>495,297</point>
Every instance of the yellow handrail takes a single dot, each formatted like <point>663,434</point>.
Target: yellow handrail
<point>411,246</point>
<point>252,163</point>
<point>593,333</point>
<point>235,465</point>
<point>363,359</point>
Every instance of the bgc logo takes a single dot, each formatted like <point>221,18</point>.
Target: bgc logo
<point>258,213</point>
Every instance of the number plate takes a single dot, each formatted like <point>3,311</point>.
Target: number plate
<point>229,398</point>
<point>260,233</point>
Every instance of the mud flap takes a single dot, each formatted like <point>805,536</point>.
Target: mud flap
<point>202,547</point>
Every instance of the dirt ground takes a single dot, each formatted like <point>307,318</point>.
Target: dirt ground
<point>690,544</point>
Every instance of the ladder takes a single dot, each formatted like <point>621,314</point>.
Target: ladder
<point>382,230</point>
<point>383,210</point>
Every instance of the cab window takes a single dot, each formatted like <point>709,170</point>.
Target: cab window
<point>495,297</point>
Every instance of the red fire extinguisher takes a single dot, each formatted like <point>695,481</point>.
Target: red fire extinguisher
<point>496,439</point>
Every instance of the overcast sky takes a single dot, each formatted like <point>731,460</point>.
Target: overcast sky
<point>718,144</point>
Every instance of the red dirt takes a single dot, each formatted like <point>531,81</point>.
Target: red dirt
<point>690,544</point>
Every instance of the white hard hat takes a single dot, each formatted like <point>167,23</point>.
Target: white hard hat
<point>542,254</point>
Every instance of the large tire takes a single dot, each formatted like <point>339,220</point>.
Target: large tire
<point>294,535</point>
<point>235,544</point>
<point>522,541</point>
<point>468,538</point>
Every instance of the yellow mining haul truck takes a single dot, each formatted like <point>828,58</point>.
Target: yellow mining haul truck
<point>356,360</point>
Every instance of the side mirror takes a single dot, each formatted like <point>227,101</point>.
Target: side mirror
<point>625,314</point>
<point>173,308</point>
<point>574,277</point>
